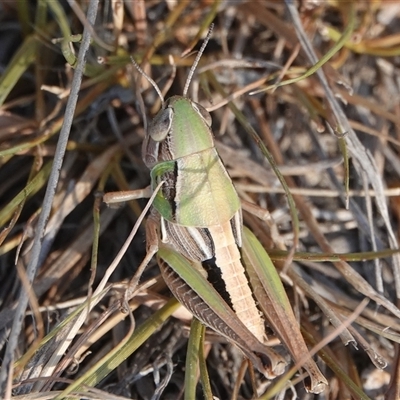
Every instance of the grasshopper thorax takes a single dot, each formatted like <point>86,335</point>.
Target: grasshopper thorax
<point>181,128</point>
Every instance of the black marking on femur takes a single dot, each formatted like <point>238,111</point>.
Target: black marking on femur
<point>191,300</point>
<point>215,278</point>
<point>265,360</point>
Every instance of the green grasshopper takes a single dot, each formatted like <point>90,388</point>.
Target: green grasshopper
<point>213,266</point>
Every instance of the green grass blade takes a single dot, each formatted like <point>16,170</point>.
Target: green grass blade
<point>192,360</point>
<point>30,189</point>
<point>22,59</point>
<point>112,360</point>
<point>195,362</point>
<point>341,41</point>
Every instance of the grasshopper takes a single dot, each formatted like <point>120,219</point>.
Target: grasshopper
<point>195,227</point>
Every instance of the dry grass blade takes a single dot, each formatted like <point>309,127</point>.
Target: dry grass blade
<point>342,249</point>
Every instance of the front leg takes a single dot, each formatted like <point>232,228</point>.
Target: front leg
<point>127,195</point>
<point>152,224</point>
<point>151,231</point>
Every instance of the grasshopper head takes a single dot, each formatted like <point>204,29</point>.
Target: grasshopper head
<point>181,128</point>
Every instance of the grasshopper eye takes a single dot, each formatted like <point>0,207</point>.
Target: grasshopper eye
<point>203,113</point>
<point>161,125</point>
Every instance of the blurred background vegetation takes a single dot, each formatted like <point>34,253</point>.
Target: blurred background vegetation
<point>334,137</point>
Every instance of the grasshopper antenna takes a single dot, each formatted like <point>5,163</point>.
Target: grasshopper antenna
<point>156,88</point>
<point>197,59</point>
